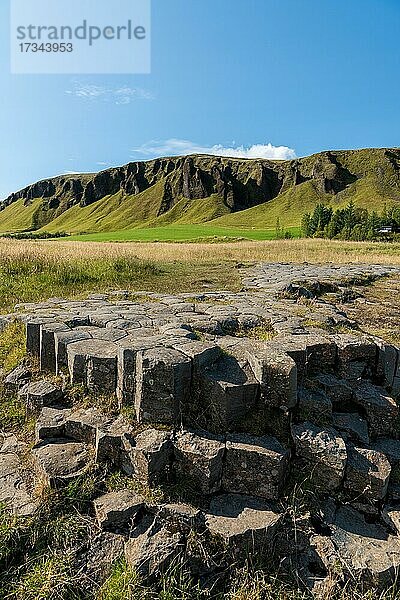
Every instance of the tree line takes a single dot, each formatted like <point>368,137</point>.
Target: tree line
<point>351,223</point>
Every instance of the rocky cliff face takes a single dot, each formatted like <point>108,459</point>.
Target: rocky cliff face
<point>241,183</point>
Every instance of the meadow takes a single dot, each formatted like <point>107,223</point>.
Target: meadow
<point>184,233</point>
<point>37,270</point>
<point>35,552</point>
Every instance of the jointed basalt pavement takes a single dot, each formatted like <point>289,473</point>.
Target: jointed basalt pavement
<point>239,396</point>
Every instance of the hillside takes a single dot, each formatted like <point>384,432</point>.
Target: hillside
<point>202,189</point>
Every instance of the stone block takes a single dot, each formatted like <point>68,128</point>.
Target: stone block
<point>38,394</point>
<point>199,458</point>
<point>151,551</point>
<point>391,518</point>
<point>367,474</point>
<point>339,391</point>
<point>33,334</point>
<point>387,363</point>
<point>357,356</point>
<point>294,346</point>
<point>163,381</point>
<point>149,455</point>
<point>255,466</point>
<point>117,510</point>
<point>202,354</point>
<point>321,354</point>
<point>98,562</point>
<point>351,427</point>
<point>391,449</point>
<point>276,372</point>
<point>381,410</point>
<point>94,364</point>
<point>227,392</point>
<point>18,377</point>
<point>366,550</point>
<point>15,495</point>
<point>82,424</point>
<point>59,461</point>
<point>61,341</point>
<point>244,523</point>
<point>110,443</point>
<point>48,346</point>
<point>128,350</point>
<point>51,424</point>
<point>325,453</point>
<point>182,517</point>
<point>314,406</point>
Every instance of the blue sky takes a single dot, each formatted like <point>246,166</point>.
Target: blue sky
<point>245,77</point>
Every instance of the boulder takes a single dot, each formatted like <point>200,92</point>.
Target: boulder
<point>324,451</point>
<point>367,474</point>
<point>199,458</point>
<point>117,510</point>
<point>255,466</point>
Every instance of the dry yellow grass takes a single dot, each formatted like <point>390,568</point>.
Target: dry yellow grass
<point>297,251</point>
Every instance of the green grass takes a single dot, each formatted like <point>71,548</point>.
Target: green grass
<point>290,206</point>
<point>368,176</point>
<point>18,217</point>
<point>110,213</point>
<point>12,346</point>
<point>183,233</point>
<point>36,552</point>
<point>28,278</point>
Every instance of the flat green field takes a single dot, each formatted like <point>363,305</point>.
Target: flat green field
<point>182,233</point>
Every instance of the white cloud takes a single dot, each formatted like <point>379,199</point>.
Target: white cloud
<point>117,95</point>
<point>175,147</point>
